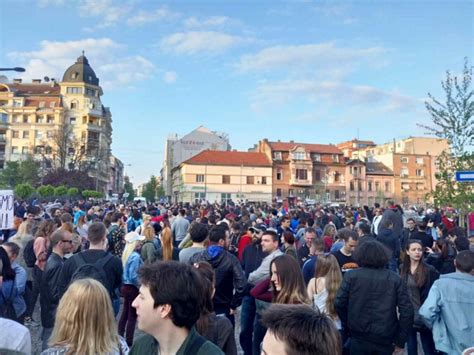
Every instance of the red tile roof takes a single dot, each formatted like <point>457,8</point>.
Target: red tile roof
<point>314,148</point>
<point>34,101</point>
<point>216,157</point>
<point>34,89</point>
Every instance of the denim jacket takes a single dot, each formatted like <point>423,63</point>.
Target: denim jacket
<point>448,310</point>
<point>130,272</point>
<point>8,289</point>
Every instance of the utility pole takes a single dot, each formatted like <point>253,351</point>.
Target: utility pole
<point>359,174</point>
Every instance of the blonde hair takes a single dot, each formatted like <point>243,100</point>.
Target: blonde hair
<point>167,246</point>
<point>328,267</point>
<point>149,233</point>
<point>85,320</point>
<point>128,250</point>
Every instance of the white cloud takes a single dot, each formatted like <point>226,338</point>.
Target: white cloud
<point>316,55</point>
<point>144,17</point>
<point>108,12</point>
<point>113,69</point>
<point>333,93</point>
<point>206,22</point>
<point>200,41</point>
<point>170,77</point>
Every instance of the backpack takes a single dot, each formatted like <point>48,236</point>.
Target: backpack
<point>7,310</point>
<point>91,270</point>
<point>29,254</point>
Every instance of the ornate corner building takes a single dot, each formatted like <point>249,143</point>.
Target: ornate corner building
<point>63,125</point>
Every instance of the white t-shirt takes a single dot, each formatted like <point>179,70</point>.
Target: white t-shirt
<point>14,336</point>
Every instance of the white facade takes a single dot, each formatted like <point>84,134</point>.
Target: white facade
<point>178,150</point>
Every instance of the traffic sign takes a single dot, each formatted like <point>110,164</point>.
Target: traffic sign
<point>465,176</point>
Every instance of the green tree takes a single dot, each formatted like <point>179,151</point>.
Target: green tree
<point>453,120</point>
<point>73,191</point>
<point>24,190</point>
<point>20,172</point>
<point>128,188</point>
<point>10,175</point>
<point>30,171</point>
<point>60,190</point>
<point>160,192</point>
<point>150,189</point>
<point>46,190</point>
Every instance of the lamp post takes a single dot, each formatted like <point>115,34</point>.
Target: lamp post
<point>17,69</point>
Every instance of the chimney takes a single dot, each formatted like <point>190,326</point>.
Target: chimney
<point>17,81</point>
<point>36,81</point>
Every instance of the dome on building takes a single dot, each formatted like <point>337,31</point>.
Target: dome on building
<point>81,72</point>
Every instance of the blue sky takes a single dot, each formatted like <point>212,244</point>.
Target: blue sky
<point>309,71</point>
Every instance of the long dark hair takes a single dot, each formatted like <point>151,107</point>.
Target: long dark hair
<point>293,289</point>
<point>421,272</point>
<point>443,247</point>
<point>208,278</point>
<point>5,266</point>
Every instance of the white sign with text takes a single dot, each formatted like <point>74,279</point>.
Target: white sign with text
<point>6,209</point>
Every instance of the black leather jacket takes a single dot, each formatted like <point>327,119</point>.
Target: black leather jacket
<point>49,294</point>
<point>229,277</point>
<point>367,303</point>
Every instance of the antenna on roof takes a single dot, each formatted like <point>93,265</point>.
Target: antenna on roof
<point>46,79</point>
<point>83,52</point>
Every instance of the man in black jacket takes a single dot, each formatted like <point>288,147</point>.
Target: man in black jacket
<point>61,241</point>
<point>368,302</point>
<point>229,273</point>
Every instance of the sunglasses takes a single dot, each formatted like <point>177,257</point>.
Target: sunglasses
<point>66,241</point>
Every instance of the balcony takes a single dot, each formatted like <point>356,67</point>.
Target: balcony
<point>94,127</point>
<point>300,182</point>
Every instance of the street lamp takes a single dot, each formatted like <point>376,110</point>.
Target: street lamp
<point>17,69</point>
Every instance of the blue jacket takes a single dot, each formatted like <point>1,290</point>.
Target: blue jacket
<point>18,302</point>
<point>130,272</point>
<point>448,310</point>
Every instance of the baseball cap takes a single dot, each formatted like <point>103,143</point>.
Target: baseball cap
<point>133,237</point>
<point>258,228</point>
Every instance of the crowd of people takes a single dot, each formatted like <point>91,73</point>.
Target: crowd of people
<point>305,280</point>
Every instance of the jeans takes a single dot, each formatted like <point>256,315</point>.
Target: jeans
<point>45,335</point>
<point>129,314</point>
<point>28,296</point>
<point>247,318</point>
<point>426,338</point>
<point>37,275</point>
<point>361,347</point>
<point>258,334</point>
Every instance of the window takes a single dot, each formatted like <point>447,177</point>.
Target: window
<point>17,118</point>
<point>335,158</point>
<point>279,174</point>
<point>15,134</point>
<point>405,186</point>
<point>73,105</point>
<point>301,174</point>
<point>26,134</point>
<point>404,172</point>
<point>74,75</point>
<point>279,192</point>
<point>25,119</point>
<point>377,186</point>
<point>16,103</point>
<point>250,180</point>
<point>52,104</point>
<point>48,150</point>
<point>337,194</point>
<point>316,157</point>
<point>359,186</point>
<point>39,149</point>
<point>50,119</point>
<point>199,178</point>
<point>419,161</point>
<point>290,192</point>
<point>50,134</point>
<point>198,196</point>
<point>369,186</point>
<point>41,104</point>
<point>3,117</point>
<point>24,150</point>
<point>299,155</point>
<point>72,90</point>
<point>420,186</point>
<point>38,134</point>
<point>277,155</point>
<point>90,92</point>
<point>404,160</point>
<point>337,176</point>
<point>351,186</point>
<point>317,175</point>
<point>15,150</point>
<point>264,180</point>
<point>72,120</point>
<point>39,119</point>
<point>225,197</point>
<point>420,172</point>
<point>226,179</point>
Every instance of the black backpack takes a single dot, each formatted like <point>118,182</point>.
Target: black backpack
<point>29,254</point>
<point>7,310</point>
<point>91,270</point>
